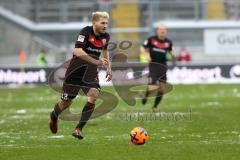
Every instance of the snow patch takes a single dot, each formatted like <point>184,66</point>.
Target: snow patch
<point>21,111</point>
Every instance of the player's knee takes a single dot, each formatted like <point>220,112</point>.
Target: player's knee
<point>92,97</point>
<point>152,88</point>
<point>93,93</point>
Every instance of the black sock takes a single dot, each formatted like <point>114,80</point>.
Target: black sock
<point>56,111</point>
<point>146,93</point>
<point>157,99</point>
<point>86,114</point>
<point>144,100</point>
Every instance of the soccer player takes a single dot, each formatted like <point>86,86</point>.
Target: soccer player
<point>82,71</point>
<point>157,49</point>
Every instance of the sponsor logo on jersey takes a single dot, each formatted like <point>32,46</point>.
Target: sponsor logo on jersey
<point>94,50</point>
<point>159,50</point>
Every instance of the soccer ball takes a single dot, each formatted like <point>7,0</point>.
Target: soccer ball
<point>138,136</point>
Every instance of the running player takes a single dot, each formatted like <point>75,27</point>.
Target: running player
<point>156,48</point>
<point>82,72</point>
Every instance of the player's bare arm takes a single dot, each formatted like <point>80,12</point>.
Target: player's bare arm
<point>145,52</point>
<point>108,67</point>
<point>79,52</point>
<point>173,54</point>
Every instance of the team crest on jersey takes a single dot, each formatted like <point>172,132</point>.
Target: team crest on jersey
<point>81,38</point>
<point>104,41</point>
<point>166,44</point>
<point>145,42</point>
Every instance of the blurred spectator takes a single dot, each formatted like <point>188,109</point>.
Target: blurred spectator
<point>22,58</point>
<point>143,58</point>
<point>232,9</point>
<point>41,58</point>
<point>184,55</point>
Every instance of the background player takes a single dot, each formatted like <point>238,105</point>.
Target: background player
<point>82,71</point>
<point>156,48</point>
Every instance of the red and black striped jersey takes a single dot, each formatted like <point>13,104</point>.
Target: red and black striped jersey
<point>92,44</point>
<point>158,48</point>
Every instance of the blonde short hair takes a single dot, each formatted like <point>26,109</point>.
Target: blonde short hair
<point>97,15</point>
<point>161,26</point>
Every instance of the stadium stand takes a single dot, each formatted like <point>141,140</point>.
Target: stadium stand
<point>232,9</point>
<point>52,11</point>
<point>53,25</point>
<point>216,10</point>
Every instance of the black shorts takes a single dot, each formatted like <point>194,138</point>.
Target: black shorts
<point>157,73</point>
<point>79,75</point>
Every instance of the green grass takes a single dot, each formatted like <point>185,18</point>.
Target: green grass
<point>213,132</point>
